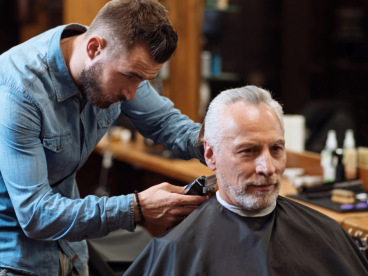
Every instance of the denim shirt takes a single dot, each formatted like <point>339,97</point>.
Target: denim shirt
<point>47,132</point>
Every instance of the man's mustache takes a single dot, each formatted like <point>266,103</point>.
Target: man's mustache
<point>262,181</point>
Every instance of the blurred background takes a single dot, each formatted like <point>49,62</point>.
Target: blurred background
<point>312,55</point>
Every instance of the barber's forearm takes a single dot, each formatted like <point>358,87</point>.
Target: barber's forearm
<point>155,117</point>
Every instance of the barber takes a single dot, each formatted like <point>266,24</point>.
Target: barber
<point>60,92</point>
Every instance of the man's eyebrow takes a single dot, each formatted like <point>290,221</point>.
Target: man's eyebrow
<point>279,142</point>
<point>246,145</point>
<point>138,76</point>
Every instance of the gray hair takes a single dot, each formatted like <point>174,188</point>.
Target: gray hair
<point>249,94</point>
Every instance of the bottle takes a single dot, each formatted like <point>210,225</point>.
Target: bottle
<point>328,158</point>
<point>206,65</point>
<point>340,168</point>
<point>350,159</point>
<point>216,65</point>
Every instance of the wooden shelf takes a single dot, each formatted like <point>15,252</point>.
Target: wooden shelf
<point>137,154</point>
<point>228,8</point>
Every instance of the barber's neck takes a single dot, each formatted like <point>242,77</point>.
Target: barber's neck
<point>74,55</point>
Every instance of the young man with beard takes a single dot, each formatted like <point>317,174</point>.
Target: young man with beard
<point>247,229</point>
<point>59,93</point>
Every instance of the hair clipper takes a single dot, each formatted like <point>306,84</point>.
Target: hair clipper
<point>201,186</point>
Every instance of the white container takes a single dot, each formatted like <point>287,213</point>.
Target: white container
<point>328,160</point>
<point>294,126</point>
<point>350,159</point>
<point>206,64</point>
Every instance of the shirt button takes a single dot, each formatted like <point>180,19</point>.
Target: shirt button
<point>85,237</point>
<point>74,258</point>
<point>108,121</point>
<point>58,148</point>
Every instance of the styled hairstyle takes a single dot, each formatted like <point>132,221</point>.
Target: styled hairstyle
<point>249,94</point>
<point>127,23</point>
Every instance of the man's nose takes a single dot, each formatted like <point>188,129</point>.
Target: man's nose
<point>131,91</point>
<point>264,164</point>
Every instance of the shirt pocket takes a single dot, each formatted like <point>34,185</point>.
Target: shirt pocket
<point>58,153</point>
<point>57,143</point>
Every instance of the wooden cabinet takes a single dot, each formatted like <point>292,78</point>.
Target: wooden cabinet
<point>81,11</point>
<point>182,87</point>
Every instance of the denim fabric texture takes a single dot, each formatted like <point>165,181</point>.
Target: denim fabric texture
<point>66,267</point>
<point>7,272</point>
<point>47,131</point>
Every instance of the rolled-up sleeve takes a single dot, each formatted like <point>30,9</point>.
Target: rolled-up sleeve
<point>156,118</point>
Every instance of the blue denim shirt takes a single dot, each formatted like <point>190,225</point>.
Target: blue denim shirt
<point>47,132</point>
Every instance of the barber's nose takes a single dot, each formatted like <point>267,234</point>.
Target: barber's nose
<point>264,164</point>
<point>131,92</point>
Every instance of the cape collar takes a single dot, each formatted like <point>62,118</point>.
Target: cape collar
<point>243,212</point>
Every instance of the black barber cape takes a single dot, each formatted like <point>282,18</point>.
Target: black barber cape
<point>292,240</point>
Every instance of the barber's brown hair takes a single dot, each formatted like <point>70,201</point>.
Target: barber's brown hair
<point>127,23</point>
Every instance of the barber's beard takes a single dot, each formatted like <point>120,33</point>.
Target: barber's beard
<point>90,85</point>
<point>250,200</point>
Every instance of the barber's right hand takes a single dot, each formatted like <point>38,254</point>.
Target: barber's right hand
<point>166,205</point>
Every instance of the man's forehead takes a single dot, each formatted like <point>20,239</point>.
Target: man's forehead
<point>138,64</point>
<point>252,115</point>
<point>251,122</point>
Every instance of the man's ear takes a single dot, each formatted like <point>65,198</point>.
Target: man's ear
<point>94,46</point>
<point>209,155</point>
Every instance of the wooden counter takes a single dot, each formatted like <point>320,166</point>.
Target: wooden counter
<point>136,153</point>
<point>352,221</point>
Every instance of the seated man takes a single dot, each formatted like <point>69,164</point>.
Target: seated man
<point>247,229</point>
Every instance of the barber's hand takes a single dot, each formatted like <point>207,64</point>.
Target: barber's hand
<point>199,145</point>
<point>201,133</point>
<point>166,205</point>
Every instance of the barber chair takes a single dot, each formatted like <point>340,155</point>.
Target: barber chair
<point>113,254</point>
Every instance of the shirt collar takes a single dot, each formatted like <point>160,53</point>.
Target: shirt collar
<point>242,212</point>
<point>63,82</point>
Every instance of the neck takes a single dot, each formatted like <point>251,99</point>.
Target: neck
<point>243,212</point>
<point>73,59</point>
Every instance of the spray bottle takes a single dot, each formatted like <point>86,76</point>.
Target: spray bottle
<point>328,158</point>
<point>350,159</point>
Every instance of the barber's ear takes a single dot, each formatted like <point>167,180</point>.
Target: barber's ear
<point>209,155</point>
<point>94,46</point>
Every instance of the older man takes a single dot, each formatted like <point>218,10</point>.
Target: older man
<point>247,229</point>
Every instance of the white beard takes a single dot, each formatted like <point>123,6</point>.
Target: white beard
<point>250,201</point>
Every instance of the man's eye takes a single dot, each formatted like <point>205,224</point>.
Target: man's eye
<point>248,151</point>
<point>128,77</point>
<point>277,148</point>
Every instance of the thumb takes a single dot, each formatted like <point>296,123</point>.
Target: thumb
<point>177,189</point>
